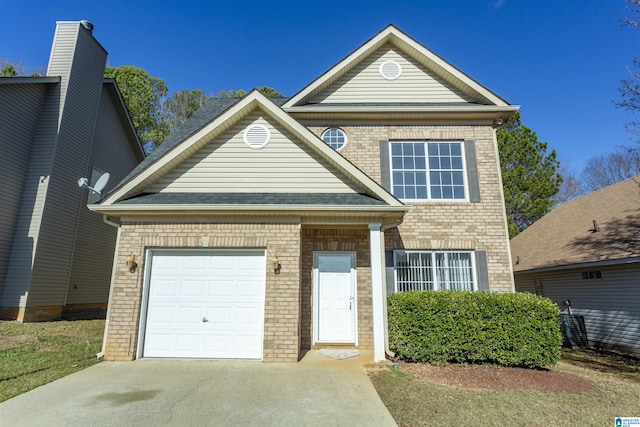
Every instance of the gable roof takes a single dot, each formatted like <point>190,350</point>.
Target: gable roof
<point>566,235</point>
<point>203,129</point>
<point>481,98</point>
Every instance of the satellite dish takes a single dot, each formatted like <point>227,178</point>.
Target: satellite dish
<point>99,186</point>
<point>101,183</point>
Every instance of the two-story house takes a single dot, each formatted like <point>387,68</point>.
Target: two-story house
<point>261,229</point>
<point>55,255</point>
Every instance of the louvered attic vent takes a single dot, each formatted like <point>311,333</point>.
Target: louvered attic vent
<point>390,70</point>
<point>257,136</point>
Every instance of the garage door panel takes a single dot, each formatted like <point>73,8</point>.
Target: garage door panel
<point>227,290</point>
<point>195,264</point>
<point>159,343</point>
<point>221,287</point>
<point>159,315</point>
<point>249,315</point>
<point>188,343</point>
<point>193,288</point>
<point>220,315</point>
<point>189,316</point>
<point>165,287</point>
<point>249,289</point>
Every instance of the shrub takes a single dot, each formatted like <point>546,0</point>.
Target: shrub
<point>518,329</point>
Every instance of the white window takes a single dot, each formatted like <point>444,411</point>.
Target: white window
<point>335,138</point>
<point>428,170</point>
<point>432,271</point>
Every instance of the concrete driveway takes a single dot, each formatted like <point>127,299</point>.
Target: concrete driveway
<point>318,391</point>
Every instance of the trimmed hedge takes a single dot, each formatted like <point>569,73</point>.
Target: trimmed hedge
<point>518,329</point>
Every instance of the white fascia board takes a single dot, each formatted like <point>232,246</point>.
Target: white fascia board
<point>319,108</point>
<point>130,187</point>
<point>196,208</point>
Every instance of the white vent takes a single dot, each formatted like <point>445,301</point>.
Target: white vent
<point>390,70</point>
<point>257,136</point>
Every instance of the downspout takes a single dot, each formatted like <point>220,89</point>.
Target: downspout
<point>387,350</point>
<point>113,275</point>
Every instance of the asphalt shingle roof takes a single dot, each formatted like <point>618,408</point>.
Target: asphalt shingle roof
<point>566,235</point>
<point>331,199</point>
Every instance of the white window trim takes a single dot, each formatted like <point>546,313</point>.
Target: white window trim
<point>429,199</point>
<point>346,139</point>
<point>436,285</point>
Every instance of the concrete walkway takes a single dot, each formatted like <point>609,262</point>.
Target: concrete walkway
<point>318,391</point>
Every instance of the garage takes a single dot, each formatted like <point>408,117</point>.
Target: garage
<point>205,304</point>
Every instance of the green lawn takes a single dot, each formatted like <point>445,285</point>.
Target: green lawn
<point>414,402</point>
<point>33,354</point>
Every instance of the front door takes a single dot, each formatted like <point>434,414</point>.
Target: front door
<point>335,296</point>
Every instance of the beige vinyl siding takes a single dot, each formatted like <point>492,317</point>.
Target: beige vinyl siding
<point>610,305</point>
<point>20,109</point>
<point>95,243</point>
<point>228,165</point>
<point>51,267</point>
<point>364,83</point>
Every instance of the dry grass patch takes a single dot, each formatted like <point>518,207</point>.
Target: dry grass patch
<point>429,395</point>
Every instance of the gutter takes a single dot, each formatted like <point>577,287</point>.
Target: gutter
<point>112,223</point>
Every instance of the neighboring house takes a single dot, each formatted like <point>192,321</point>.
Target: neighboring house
<point>55,255</point>
<point>587,252</point>
<point>261,229</point>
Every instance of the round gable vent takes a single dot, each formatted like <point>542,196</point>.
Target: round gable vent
<point>390,70</point>
<point>257,136</point>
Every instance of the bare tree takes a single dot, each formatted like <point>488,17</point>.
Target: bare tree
<point>630,89</point>
<point>603,170</point>
<point>570,188</point>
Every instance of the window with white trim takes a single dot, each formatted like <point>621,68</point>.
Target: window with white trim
<point>428,170</point>
<point>334,138</point>
<point>433,270</point>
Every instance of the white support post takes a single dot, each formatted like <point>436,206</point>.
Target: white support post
<point>377,290</point>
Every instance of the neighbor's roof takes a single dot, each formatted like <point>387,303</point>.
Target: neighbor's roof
<point>566,236</point>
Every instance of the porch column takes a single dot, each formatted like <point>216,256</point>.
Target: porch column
<point>375,236</point>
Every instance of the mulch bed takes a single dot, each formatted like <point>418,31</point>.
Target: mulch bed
<point>497,378</point>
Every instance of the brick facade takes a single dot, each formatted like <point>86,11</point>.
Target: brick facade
<point>444,225</point>
<point>282,323</point>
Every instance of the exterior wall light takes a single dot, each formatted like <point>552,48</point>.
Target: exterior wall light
<point>276,264</point>
<point>132,265</point>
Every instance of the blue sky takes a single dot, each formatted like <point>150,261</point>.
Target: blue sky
<point>561,61</point>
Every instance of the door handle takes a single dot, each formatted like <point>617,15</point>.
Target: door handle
<point>205,320</point>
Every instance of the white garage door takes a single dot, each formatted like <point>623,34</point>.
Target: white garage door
<point>206,305</point>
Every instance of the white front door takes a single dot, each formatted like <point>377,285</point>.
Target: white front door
<point>335,296</point>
